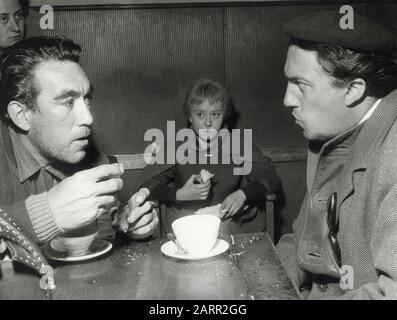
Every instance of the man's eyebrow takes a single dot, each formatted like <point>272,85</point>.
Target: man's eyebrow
<point>67,94</point>
<point>7,14</point>
<point>73,94</point>
<point>296,79</point>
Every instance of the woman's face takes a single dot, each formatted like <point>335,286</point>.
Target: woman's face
<point>206,119</point>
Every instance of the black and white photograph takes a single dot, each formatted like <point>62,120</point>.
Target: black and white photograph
<point>198,156</point>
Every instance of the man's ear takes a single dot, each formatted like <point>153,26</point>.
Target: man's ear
<point>355,92</point>
<point>19,114</point>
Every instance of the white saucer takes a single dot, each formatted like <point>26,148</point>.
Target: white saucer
<point>98,248</point>
<point>170,249</point>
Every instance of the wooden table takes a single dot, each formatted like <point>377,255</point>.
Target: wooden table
<point>139,270</point>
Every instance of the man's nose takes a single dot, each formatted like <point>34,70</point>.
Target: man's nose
<point>14,26</point>
<point>290,99</point>
<point>84,115</point>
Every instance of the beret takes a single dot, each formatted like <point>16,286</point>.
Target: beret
<point>324,27</point>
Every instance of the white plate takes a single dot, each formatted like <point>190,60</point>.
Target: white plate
<point>169,249</point>
<point>98,248</point>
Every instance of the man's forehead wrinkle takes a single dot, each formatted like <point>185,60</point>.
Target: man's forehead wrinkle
<point>10,8</point>
<point>302,64</point>
<point>291,68</point>
<point>66,94</point>
<point>60,78</point>
<point>75,91</point>
<point>10,12</point>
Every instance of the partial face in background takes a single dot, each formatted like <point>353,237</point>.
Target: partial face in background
<point>61,123</point>
<point>12,23</point>
<point>206,119</point>
<point>318,106</point>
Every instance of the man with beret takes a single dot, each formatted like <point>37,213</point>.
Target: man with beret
<point>342,93</point>
<point>52,178</point>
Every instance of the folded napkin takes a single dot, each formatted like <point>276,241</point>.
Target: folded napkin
<point>212,210</point>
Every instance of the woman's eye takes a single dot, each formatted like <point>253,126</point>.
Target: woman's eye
<point>200,114</point>
<point>216,115</point>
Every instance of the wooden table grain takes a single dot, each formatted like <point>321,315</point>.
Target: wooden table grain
<point>138,270</point>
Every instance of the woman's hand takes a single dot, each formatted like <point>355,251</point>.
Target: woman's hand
<point>193,191</point>
<point>232,204</point>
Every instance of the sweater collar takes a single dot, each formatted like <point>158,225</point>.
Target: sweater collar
<point>208,148</point>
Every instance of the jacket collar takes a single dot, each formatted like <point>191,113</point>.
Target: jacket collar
<point>368,142</point>
<point>317,149</point>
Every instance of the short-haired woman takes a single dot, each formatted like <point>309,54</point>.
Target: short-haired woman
<point>209,109</point>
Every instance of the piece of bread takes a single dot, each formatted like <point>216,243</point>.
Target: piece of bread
<point>121,215</point>
<point>204,176</point>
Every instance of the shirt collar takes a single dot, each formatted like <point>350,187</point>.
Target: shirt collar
<point>347,133</point>
<point>26,162</point>
<point>28,165</point>
<point>370,111</point>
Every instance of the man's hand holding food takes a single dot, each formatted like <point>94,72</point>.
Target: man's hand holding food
<point>85,196</point>
<point>138,218</point>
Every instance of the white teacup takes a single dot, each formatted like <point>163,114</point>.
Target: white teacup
<point>76,242</point>
<point>197,233</point>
